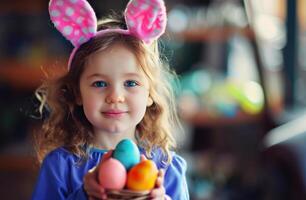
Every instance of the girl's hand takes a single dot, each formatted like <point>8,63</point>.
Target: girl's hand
<point>159,192</point>
<point>91,184</point>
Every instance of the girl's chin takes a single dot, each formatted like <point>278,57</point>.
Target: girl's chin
<point>115,132</point>
<point>110,130</point>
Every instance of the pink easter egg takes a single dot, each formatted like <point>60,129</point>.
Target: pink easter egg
<point>112,174</point>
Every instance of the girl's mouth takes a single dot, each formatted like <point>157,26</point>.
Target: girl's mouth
<point>114,113</point>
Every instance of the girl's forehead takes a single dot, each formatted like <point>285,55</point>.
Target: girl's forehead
<point>117,60</point>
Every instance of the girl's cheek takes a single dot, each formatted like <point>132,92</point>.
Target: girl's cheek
<point>92,102</point>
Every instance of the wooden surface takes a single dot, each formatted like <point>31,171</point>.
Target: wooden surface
<point>18,163</point>
<point>204,119</point>
<point>23,76</point>
<point>213,34</point>
<point>23,7</point>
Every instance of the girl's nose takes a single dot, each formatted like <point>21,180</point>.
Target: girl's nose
<point>115,96</point>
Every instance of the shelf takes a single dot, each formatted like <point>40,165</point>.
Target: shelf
<point>214,34</point>
<point>28,76</point>
<point>202,119</point>
<point>23,7</point>
<point>15,163</point>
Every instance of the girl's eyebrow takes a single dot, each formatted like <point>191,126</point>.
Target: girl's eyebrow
<point>132,74</point>
<point>96,75</point>
<point>129,74</point>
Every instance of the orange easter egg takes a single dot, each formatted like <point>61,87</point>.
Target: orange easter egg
<point>142,176</point>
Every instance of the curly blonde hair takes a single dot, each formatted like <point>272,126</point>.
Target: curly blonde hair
<point>67,125</point>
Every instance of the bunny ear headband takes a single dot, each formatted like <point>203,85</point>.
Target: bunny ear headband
<point>76,20</point>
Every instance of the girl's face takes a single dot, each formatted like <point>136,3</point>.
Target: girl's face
<point>114,91</point>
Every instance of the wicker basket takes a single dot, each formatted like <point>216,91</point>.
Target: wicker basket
<point>127,194</point>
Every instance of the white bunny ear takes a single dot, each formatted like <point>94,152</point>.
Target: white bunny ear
<point>75,19</point>
<point>146,19</point>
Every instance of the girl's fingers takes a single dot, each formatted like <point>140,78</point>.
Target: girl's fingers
<point>95,194</point>
<point>161,173</point>
<point>167,197</point>
<point>143,157</point>
<point>98,197</point>
<point>158,192</point>
<point>160,178</point>
<point>104,196</point>
<point>92,170</point>
<point>107,155</point>
<point>91,186</point>
<point>90,181</point>
<point>159,182</point>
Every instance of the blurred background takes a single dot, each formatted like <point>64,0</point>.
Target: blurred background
<point>242,96</point>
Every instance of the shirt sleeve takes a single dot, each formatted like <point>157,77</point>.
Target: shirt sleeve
<point>175,179</point>
<point>52,181</point>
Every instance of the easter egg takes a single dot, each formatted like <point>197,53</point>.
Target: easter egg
<point>127,153</point>
<point>142,176</point>
<point>112,174</point>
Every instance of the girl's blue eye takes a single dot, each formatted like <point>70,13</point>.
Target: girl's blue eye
<point>130,83</point>
<point>100,84</point>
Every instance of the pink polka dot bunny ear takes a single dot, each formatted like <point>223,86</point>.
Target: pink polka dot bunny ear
<point>75,19</point>
<point>146,19</point>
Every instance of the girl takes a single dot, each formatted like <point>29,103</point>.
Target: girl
<point>116,87</point>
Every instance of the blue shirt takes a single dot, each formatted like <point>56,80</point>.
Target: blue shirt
<point>61,175</point>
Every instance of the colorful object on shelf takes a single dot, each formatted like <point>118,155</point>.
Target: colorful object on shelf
<point>77,21</point>
<point>127,153</point>
<point>197,81</point>
<point>222,97</point>
<point>142,176</point>
<point>249,95</point>
<point>112,174</point>
<point>221,101</point>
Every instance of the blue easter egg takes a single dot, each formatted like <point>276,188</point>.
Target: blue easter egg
<point>127,153</point>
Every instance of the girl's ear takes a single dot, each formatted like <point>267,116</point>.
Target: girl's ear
<point>149,101</point>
